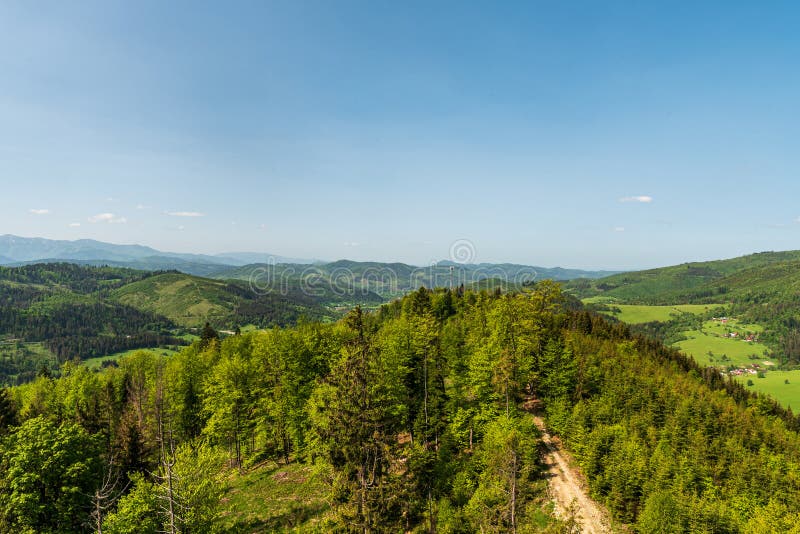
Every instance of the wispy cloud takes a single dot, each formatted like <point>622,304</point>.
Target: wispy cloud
<point>639,198</point>
<point>185,213</point>
<point>74,224</point>
<point>351,243</point>
<point>142,207</point>
<point>39,211</point>
<point>619,228</point>
<point>107,218</point>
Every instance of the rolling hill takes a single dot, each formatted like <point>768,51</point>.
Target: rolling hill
<point>711,281</point>
<point>394,279</point>
<point>50,313</point>
<point>758,293</point>
<point>18,251</point>
<point>187,300</point>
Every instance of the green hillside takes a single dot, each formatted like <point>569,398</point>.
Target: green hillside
<point>691,282</point>
<point>51,313</point>
<point>345,277</point>
<point>187,300</point>
<point>428,412</point>
<point>759,293</point>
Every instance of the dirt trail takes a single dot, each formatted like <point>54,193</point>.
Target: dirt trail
<point>566,485</point>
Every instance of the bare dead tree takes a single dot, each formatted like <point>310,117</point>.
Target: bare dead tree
<point>106,494</point>
<point>167,459</point>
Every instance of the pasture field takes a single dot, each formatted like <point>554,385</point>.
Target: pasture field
<point>733,325</point>
<point>774,384</point>
<point>725,351</point>
<point>641,313</point>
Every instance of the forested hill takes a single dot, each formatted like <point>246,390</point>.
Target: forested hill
<point>51,313</point>
<point>414,418</point>
<point>16,251</point>
<point>762,289</point>
<point>395,279</point>
<point>55,312</point>
<point>765,273</point>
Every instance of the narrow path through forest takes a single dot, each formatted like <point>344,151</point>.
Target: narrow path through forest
<point>567,486</point>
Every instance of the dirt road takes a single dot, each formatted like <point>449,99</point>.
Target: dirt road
<point>566,486</point>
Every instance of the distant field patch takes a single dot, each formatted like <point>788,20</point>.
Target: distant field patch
<point>774,384</point>
<point>724,351</point>
<point>639,313</point>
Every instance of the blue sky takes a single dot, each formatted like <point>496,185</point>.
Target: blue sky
<point>389,130</point>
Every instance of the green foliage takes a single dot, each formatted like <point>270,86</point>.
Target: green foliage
<point>415,419</point>
<point>48,474</point>
<point>197,487</point>
<point>138,512</point>
<point>8,411</point>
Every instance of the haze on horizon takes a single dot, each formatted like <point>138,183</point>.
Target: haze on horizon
<point>609,135</point>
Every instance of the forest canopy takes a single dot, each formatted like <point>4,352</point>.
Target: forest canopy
<point>418,417</point>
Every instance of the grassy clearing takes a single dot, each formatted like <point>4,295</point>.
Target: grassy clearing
<point>725,351</point>
<point>274,498</point>
<point>733,325</point>
<point>636,313</point>
<point>714,338</point>
<point>774,384</point>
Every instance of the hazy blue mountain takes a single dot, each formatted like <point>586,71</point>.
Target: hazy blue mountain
<point>387,278</point>
<point>16,249</point>
<point>35,248</point>
<point>246,258</point>
<point>553,273</point>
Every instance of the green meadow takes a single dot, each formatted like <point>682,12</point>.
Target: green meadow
<point>724,351</point>
<point>641,313</point>
<point>774,384</point>
<point>713,346</point>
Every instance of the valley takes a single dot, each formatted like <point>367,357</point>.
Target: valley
<point>739,316</point>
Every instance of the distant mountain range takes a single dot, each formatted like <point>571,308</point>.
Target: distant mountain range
<point>19,250</point>
<point>15,250</point>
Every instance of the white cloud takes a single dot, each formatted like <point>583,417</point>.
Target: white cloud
<point>74,224</point>
<point>39,211</point>
<point>351,243</point>
<point>107,218</point>
<point>640,198</point>
<point>619,228</point>
<point>142,207</point>
<point>186,214</point>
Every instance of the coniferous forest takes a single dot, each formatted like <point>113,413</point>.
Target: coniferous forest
<point>419,417</point>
